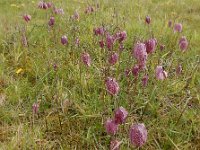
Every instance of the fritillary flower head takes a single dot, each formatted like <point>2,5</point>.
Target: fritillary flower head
<point>42,5</point>
<point>27,17</point>
<point>135,70</point>
<point>139,52</point>
<point>51,21</point>
<point>161,74</point>
<point>59,11</point>
<point>178,27</point>
<point>150,45</point>
<point>64,40</point>
<point>138,134</point>
<point>183,43</point>
<point>111,127</point>
<point>109,41</point>
<point>112,86</point>
<point>148,20</point>
<point>120,115</point>
<point>113,58</point>
<point>86,59</point>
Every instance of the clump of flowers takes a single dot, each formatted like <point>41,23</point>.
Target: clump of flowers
<point>59,11</point>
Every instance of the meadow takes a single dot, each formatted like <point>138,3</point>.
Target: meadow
<point>100,74</point>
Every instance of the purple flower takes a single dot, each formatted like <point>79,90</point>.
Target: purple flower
<point>120,36</point>
<point>135,70</point>
<point>35,108</point>
<point>139,52</point>
<point>109,42</point>
<point>42,5</point>
<point>114,145</point>
<point>120,115</point>
<point>51,21</point>
<point>64,40</point>
<point>148,20</point>
<point>113,58</point>
<point>150,45</point>
<point>145,80</point>
<point>86,59</point>
<point>160,73</point>
<point>27,17</point>
<point>138,135</point>
<point>99,31</point>
<point>59,11</point>
<point>111,127</point>
<point>183,43</point>
<point>178,27</point>
<point>49,4</point>
<point>112,86</point>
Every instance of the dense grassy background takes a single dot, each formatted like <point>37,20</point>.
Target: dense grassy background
<point>73,103</point>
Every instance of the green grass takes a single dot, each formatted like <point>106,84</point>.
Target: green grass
<point>73,100</point>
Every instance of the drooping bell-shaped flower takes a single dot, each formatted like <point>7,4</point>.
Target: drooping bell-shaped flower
<point>112,86</point>
<point>150,45</point>
<point>27,17</point>
<point>135,70</point>
<point>140,53</point>
<point>120,115</point>
<point>111,127</point>
<point>109,42</point>
<point>64,40</point>
<point>51,21</point>
<point>138,134</point>
<point>113,58</point>
<point>161,74</point>
<point>183,43</point>
<point>178,27</point>
<point>86,59</point>
<point>59,11</point>
<point>148,20</point>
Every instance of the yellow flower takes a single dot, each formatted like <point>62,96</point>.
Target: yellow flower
<point>19,71</point>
